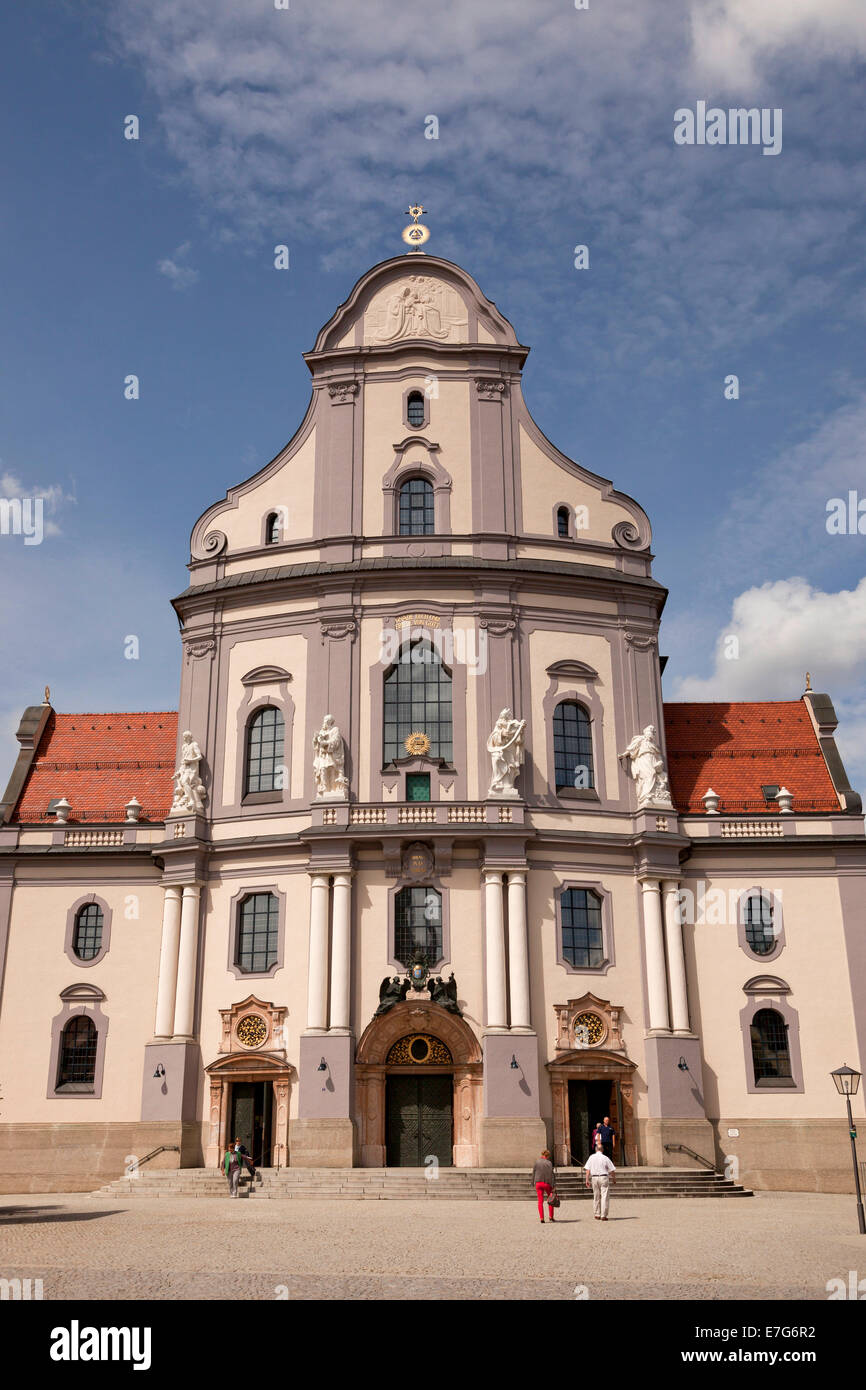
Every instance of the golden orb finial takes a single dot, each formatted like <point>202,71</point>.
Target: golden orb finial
<point>416,235</point>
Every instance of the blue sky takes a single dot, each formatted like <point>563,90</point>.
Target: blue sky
<point>306,127</point>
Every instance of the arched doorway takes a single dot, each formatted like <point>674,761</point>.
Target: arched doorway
<point>418,1088</point>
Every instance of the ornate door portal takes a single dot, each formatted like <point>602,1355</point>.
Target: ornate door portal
<point>419,1120</point>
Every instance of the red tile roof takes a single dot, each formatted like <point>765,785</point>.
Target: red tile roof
<point>738,748</point>
<point>99,762</point>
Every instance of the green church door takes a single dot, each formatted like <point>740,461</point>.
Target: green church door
<point>419,1112</point>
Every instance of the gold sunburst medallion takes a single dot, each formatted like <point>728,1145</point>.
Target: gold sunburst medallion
<point>417,744</point>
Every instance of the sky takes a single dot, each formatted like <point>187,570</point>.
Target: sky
<point>307,125</point>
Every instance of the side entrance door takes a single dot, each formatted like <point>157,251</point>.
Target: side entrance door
<point>251,1118</point>
<point>419,1120</point>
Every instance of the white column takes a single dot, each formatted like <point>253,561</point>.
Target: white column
<point>657,993</point>
<point>317,979</point>
<point>166,989</point>
<point>497,1015</point>
<point>518,951</point>
<point>676,957</point>
<point>184,1009</point>
<point>341,952</point>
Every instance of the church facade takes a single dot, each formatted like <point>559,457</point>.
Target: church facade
<point>423,870</point>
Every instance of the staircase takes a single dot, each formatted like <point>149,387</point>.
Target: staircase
<point>415,1184</point>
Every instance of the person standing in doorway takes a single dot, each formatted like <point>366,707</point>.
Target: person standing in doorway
<point>607,1136</point>
<point>544,1182</point>
<point>602,1172</point>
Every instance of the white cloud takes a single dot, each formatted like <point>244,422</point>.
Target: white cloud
<point>175,269</point>
<point>733,40</point>
<point>53,498</point>
<point>783,629</point>
<point>306,126</point>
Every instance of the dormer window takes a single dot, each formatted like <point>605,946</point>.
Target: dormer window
<point>415,410</point>
<point>273,530</point>
<point>562,523</point>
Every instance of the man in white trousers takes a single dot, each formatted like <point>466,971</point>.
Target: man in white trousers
<point>600,1169</point>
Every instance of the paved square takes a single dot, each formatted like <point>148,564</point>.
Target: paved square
<point>772,1246</point>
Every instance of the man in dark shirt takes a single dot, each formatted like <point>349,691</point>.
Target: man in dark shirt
<point>607,1137</point>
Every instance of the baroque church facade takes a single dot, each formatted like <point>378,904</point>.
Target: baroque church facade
<point>424,869</point>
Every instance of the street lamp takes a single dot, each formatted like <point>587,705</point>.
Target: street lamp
<point>847,1081</point>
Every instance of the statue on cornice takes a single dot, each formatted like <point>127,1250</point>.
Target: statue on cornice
<point>647,768</point>
<point>505,746</point>
<point>189,792</point>
<point>329,762</point>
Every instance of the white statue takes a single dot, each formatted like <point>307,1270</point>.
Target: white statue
<point>189,792</point>
<point>505,746</point>
<point>329,762</point>
<point>647,767</point>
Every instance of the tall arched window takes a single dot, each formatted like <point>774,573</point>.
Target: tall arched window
<point>771,1055</point>
<point>758,921</point>
<point>418,925</point>
<point>582,935</point>
<point>264,761</point>
<point>562,521</point>
<point>87,934</point>
<point>273,529</point>
<point>416,508</point>
<point>77,1064</point>
<point>572,746</point>
<point>258,933</point>
<point>415,409</point>
<point>417,701</point>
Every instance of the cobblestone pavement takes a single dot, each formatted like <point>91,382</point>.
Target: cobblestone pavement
<point>772,1246</point>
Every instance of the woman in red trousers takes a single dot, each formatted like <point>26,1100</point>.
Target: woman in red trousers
<point>542,1177</point>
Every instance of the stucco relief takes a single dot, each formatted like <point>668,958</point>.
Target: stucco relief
<point>417,307</point>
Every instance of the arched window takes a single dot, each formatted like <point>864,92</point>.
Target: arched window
<point>758,921</point>
<point>265,735</point>
<point>582,936</point>
<point>562,522</point>
<point>273,529</point>
<point>258,933</point>
<point>572,746</point>
<point>418,925</point>
<point>771,1056</point>
<point>415,409</point>
<point>417,701</point>
<point>87,934</point>
<point>77,1064</point>
<point>416,508</point>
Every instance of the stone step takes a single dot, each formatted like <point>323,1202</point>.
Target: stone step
<point>470,1184</point>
